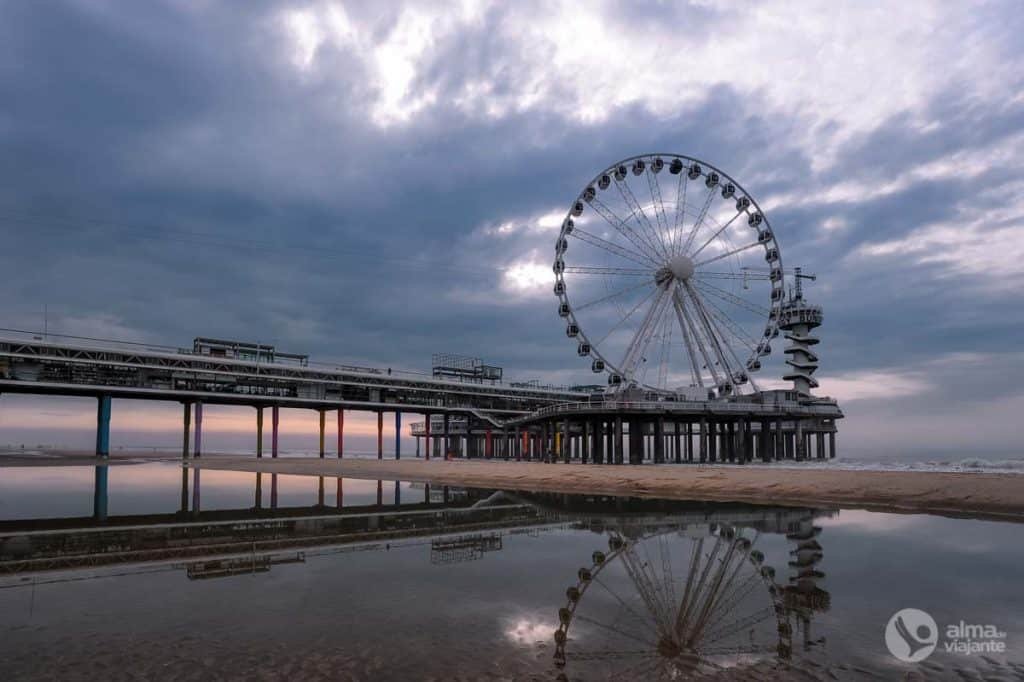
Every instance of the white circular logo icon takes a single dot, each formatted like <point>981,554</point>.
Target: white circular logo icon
<point>911,635</point>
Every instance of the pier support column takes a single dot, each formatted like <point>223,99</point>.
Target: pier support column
<point>597,453</point>
<point>258,501</point>
<point>447,441</point>
<point>636,441</point>
<point>801,441</point>
<point>659,440</point>
<point>184,489</point>
<point>99,493</point>
<point>703,436</point>
<point>398,438</point>
<point>764,440</point>
<point>566,441</point>
<point>617,436</point>
<point>341,432</point>
<point>821,445</point>
<point>103,426</point>
<point>831,444</point>
<point>585,441</point>
<point>259,432</point>
<point>380,435</point>
<point>778,448</point>
<point>323,452</point>
<point>426,435</point>
<point>488,444</point>
<point>689,442</point>
<point>275,425</point>
<point>679,441</point>
<point>187,434</point>
<point>198,440</point>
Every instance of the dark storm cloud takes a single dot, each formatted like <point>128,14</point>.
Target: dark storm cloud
<point>165,169</point>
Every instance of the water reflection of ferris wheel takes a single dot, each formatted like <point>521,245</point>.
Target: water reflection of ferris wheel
<point>671,605</point>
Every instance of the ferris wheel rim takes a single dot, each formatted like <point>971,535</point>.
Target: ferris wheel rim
<point>753,208</point>
<point>562,632</point>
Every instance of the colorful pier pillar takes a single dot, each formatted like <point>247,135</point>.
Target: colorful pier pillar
<point>103,426</point>
<point>259,432</point>
<point>186,435</point>
<point>198,440</point>
<point>275,423</point>
<point>398,440</point>
<point>489,446</point>
<point>426,434</point>
<point>323,426</point>
<point>341,437</point>
<point>99,494</point>
<point>380,435</point>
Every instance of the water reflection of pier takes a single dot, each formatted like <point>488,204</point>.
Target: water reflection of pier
<point>251,539</point>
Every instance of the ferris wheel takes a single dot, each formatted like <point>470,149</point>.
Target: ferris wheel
<point>669,277</point>
<point>672,605</point>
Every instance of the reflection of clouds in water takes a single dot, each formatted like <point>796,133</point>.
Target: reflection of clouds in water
<point>873,521</point>
<point>530,630</point>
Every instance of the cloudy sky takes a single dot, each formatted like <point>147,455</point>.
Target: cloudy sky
<point>375,182</point>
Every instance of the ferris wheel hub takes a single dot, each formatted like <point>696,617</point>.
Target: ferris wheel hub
<point>681,267</point>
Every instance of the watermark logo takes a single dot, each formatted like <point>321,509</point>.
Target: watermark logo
<point>911,635</point>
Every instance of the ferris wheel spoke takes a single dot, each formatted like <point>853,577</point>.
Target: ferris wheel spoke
<point>644,246</point>
<point>611,296</point>
<point>618,325</point>
<point>683,620</point>
<point>666,352</point>
<point>729,297</point>
<point>720,256</point>
<point>723,341</point>
<point>641,340</point>
<point>613,628</point>
<point>659,210</point>
<point>635,256</point>
<point>599,270</point>
<point>686,321</point>
<point>731,326</point>
<point>699,222</point>
<point>640,619</point>
<point>637,670</point>
<point>738,624</point>
<point>680,212</point>
<point>696,552</point>
<point>648,590</point>
<point>747,276</point>
<point>712,595</point>
<point>727,587</point>
<point>610,654</point>
<point>735,598</point>
<point>711,333</point>
<point>637,210</point>
<point>715,235</point>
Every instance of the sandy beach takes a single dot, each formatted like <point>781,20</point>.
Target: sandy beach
<point>970,494</point>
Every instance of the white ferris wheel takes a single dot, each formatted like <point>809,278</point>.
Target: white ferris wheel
<point>669,277</point>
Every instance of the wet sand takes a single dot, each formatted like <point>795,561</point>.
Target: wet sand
<point>958,494</point>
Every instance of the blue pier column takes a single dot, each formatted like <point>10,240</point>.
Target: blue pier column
<point>99,494</point>
<point>197,442</point>
<point>103,426</point>
<point>398,436</point>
